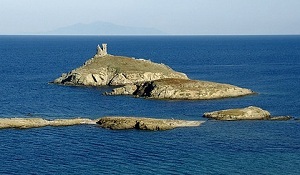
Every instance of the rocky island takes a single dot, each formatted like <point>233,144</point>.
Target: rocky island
<point>143,78</point>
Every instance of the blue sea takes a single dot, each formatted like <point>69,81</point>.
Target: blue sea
<point>269,65</point>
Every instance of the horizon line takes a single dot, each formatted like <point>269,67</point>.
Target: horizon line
<point>150,34</point>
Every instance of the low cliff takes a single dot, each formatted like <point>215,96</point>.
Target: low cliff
<point>116,70</point>
<point>173,88</point>
<point>118,123</point>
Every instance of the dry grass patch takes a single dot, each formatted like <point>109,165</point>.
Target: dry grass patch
<point>126,65</point>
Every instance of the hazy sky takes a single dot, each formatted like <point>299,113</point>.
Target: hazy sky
<point>170,16</point>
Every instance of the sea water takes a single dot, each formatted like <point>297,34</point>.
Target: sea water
<point>269,65</point>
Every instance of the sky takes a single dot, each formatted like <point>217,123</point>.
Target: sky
<point>175,17</point>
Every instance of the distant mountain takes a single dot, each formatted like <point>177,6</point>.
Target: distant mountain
<point>103,28</point>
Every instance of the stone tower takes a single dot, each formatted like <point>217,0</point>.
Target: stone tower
<point>102,51</point>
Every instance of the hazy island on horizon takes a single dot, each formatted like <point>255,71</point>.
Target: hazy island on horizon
<point>103,28</point>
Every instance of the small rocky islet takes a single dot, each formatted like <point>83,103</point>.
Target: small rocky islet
<point>247,113</point>
<point>143,78</point>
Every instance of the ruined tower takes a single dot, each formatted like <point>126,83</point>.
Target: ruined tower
<point>102,51</point>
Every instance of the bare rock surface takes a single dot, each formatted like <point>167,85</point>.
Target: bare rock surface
<point>23,123</point>
<point>118,123</point>
<point>174,88</point>
<point>248,113</point>
<point>116,70</point>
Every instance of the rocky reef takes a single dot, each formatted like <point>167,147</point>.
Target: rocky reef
<point>116,70</point>
<point>118,123</point>
<point>23,123</point>
<point>104,122</point>
<point>175,88</point>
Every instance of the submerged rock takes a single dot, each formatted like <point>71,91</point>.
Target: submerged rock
<point>281,118</point>
<point>174,88</point>
<point>118,123</point>
<point>249,113</point>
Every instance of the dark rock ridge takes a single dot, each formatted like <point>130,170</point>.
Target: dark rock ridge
<point>116,70</point>
<point>174,88</point>
<point>118,123</point>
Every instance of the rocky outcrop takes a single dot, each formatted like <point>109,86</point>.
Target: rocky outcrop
<point>173,88</point>
<point>249,113</point>
<point>105,122</point>
<point>23,123</point>
<point>116,70</point>
<point>118,123</point>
